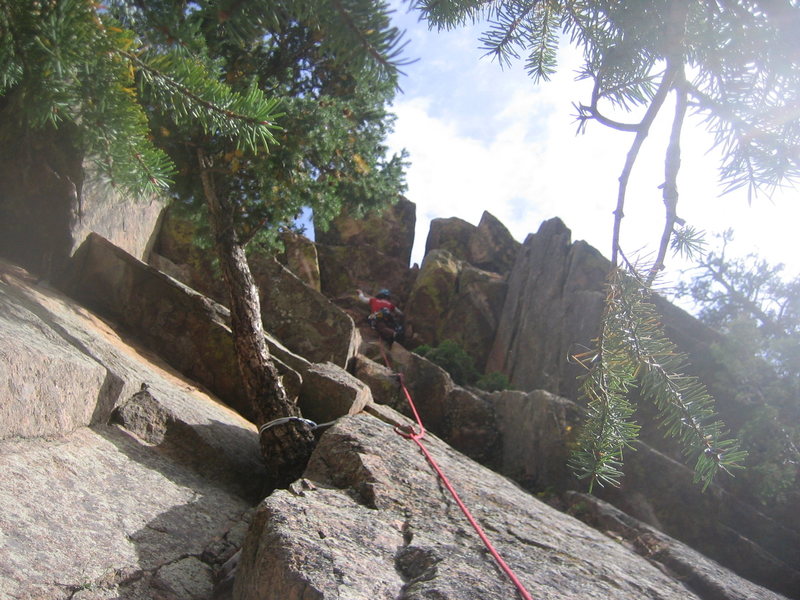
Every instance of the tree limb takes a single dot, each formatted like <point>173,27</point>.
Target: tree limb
<point>641,134</point>
<point>672,164</point>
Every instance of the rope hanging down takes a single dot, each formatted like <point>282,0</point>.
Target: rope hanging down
<point>416,436</point>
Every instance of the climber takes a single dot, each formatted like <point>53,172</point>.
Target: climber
<point>385,318</point>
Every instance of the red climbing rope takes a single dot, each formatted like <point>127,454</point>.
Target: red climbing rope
<point>416,436</point>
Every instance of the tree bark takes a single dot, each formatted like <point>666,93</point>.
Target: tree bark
<point>285,447</point>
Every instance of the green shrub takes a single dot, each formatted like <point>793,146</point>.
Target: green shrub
<point>454,359</point>
<point>493,382</point>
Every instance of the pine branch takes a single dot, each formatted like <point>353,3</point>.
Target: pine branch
<point>633,347</point>
<point>641,134</point>
<point>506,34</point>
<point>196,96</point>
<point>672,164</point>
<point>376,54</point>
<point>541,63</point>
<point>608,429</point>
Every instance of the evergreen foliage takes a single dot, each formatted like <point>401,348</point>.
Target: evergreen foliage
<point>173,90</point>
<point>450,356</point>
<point>493,382</point>
<point>751,299</point>
<point>756,308</point>
<point>633,351</point>
<point>68,63</point>
<point>333,117</point>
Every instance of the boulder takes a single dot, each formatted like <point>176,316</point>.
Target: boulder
<point>149,499</point>
<point>390,231</point>
<point>303,319</point>
<point>452,300</point>
<point>489,246</point>
<point>50,200</point>
<point>383,383</point>
<point>188,330</point>
<point>330,392</point>
<point>428,384</point>
<point>371,521</point>
<point>462,417</point>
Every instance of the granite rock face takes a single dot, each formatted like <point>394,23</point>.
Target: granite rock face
<point>303,319</point>
<point>552,309</point>
<point>119,478</point>
<point>50,200</point>
<point>371,521</point>
<point>343,269</point>
<point>293,309</point>
<point>330,392</point>
<point>704,576</point>
<point>191,331</point>
<point>188,329</point>
<point>122,460</point>
<point>537,430</point>
<point>528,436</point>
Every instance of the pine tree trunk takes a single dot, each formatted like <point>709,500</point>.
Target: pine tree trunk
<point>286,447</point>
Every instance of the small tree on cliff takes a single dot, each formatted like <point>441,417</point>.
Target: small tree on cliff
<point>735,63</point>
<point>329,66</point>
<point>74,63</point>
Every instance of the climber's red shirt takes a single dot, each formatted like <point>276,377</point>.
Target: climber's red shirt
<point>376,304</point>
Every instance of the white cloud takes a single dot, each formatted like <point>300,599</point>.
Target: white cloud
<point>481,138</point>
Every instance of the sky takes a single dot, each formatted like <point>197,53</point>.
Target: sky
<point>481,137</point>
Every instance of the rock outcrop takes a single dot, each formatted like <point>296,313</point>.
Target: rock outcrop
<point>111,451</point>
<point>121,480</point>
<point>50,201</point>
<point>553,305</point>
<point>371,521</point>
<point>700,574</point>
<point>528,437</point>
<point>370,253</point>
<point>453,300</point>
<point>489,246</point>
<point>293,309</point>
<point>192,332</point>
<point>389,232</point>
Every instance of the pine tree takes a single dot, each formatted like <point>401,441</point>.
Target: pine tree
<point>115,74</point>
<point>737,64</point>
<point>756,308</point>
